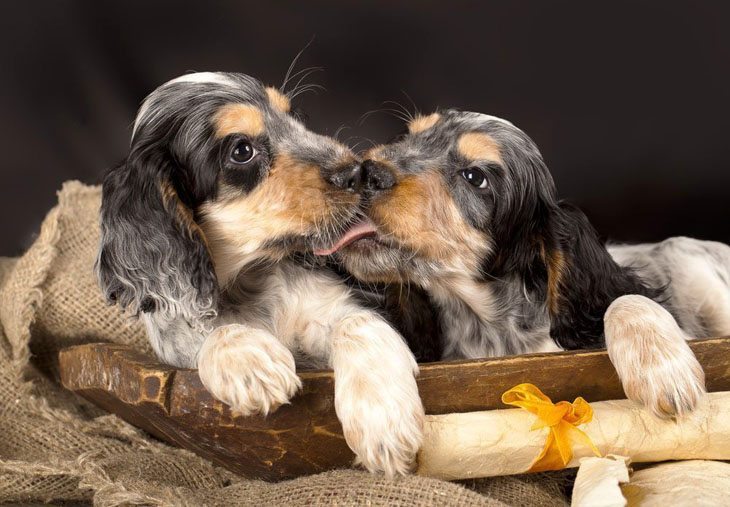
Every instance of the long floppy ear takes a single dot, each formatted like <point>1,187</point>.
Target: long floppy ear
<point>153,256</point>
<point>582,280</point>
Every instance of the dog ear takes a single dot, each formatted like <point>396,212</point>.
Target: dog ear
<point>556,250</point>
<point>582,280</point>
<point>153,256</point>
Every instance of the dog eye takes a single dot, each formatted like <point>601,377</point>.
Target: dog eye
<point>475,177</point>
<point>242,152</point>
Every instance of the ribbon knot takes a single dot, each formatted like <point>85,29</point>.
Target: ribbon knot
<point>562,419</point>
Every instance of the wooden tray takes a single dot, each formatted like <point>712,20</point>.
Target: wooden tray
<point>305,437</point>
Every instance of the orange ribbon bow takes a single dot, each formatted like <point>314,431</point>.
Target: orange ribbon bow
<point>562,419</point>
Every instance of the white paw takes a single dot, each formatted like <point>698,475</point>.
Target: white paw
<point>650,353</point>
<point>248,369</point>
<point>382,424</point>
<point>384,436</point>
<point>376,395</point>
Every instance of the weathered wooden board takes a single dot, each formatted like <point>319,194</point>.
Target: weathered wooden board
<point>305,437</point>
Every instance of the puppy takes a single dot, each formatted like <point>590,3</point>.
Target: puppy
<point>464,206</point>
<point>200,227</point>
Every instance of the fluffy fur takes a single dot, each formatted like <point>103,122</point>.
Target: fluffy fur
<point>200,228</point>
<point>469,213</point>
<point>651,356</point>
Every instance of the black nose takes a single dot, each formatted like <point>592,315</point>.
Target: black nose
<point>377,176</point>
<point>348,178</point>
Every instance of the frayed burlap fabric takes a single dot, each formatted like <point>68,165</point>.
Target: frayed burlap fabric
<point>56,447</point>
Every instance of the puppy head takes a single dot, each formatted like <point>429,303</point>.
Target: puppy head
<point>466,195</point>
<point>219,176</point>
<point>451,196</point>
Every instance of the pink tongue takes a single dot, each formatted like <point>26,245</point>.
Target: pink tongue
<point>355,232</point>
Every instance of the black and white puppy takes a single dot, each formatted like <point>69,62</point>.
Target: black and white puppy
<point>464,206</point>
<point>199,227</point>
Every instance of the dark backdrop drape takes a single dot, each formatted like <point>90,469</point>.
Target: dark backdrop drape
<point>630,103</point>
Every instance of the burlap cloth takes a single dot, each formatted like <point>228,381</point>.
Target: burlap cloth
<point>56,447</point>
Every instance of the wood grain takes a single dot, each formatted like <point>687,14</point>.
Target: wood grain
<point>305,437</point>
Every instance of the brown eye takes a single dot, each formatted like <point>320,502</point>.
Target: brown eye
<point>475,177</point>
<point>242,152</point>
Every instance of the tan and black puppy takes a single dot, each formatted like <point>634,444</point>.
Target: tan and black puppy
<point>464,206</point>
<point>200,227</point>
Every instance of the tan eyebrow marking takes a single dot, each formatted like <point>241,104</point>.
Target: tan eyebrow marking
<point>239,119</point>
<point>373,152</point>
<point>278,99</point>
<point>479,146</point>
<point>421,123</point>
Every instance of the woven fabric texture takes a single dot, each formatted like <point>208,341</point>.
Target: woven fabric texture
<point>57,447</point>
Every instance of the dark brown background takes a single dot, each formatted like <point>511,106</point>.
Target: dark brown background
<point>630,104</point>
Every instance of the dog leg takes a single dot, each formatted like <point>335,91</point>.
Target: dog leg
<point>652,358</point>
<point>376,396</point>
<point>248,369</point>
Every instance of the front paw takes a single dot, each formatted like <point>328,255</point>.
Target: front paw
<point>669,386</point>
<point>248,369</point>
<point>650,353</point>
<point>383,426</point>
<point>668,397</point>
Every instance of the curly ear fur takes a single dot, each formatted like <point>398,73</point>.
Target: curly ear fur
<point>153,256</point>
<point>583,280</point>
